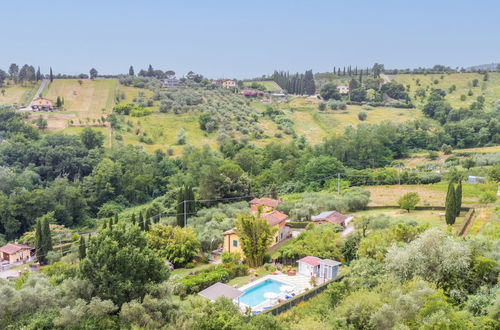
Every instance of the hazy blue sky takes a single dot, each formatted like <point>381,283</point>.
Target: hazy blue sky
<point>247,38</point>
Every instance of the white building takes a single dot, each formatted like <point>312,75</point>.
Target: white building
<point>317,267</point>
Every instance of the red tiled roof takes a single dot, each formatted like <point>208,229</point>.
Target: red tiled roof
<point>275,217</point>
<point>331,216</point>
<point>14,248</point>
<point>229,232</point>
<point>313,261</point>
<point>265,201</point>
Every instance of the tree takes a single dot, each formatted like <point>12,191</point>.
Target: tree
<point>458,197</point>
<point>133,219</point>
<point>186,205</point>
<point>141,222</point>
<point>14,71</point>
<point>178,245</point>
<point>377,69</point>
<point>38,74</point>
<point>43,237</point>
<point>121,266</point>
<point>451,202</point>
<point>91,138</point>
<point>82,249</point>
<point>487,197</point>
<point>408,201</point>
<point>131,71</point>
<point>468,163</point>
<point>256,236</point>
<point>3,76</point>
<point>494,173</point>
<point>41,123</point>
<point>330,91</point>
<point>51,76</point>
<point>362,116</point>
<point>309,86</point>
<point>180,137</point>
<point>93,73</point>
<point>151,71</point>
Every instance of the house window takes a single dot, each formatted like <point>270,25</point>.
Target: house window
<point>235,242</point>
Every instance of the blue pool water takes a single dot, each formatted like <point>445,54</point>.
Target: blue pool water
<point>255,295</point>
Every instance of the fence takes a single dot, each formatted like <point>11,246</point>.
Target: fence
<point>468,219</point>
<point>278,309</point>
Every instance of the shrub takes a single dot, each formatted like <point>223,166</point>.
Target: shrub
<point>322,106</point>
<point>202,280</point>
<point>362,116</point>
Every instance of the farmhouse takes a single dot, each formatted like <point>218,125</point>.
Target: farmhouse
<point>171,83</point>
<point>15,252</point>
<point>226,83</point>
<point>42,103</point>
<point>267,204</point>
<point>343,89</point>
<point>332,217</point>
<point>317,267</point>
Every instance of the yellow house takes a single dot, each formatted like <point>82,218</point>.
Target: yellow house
<point>275,219</point>
<point>228,84</point>
<point>15,252</point>
<point>232,242</point>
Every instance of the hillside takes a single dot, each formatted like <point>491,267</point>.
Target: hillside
<point>17,94</point>
<point>458,96</point>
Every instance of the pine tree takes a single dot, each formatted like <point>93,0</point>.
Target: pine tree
<point>82,248</point>
<point>141,221</point>
<point>458,197</point>
<point>51,76</point>
<point>451,210</point>
<point>133,219</point>
<point>131,71</point>
<point>151,72</point>
<point>116,218</point>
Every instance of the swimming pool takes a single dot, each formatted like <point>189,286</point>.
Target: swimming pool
<point>254,295</point>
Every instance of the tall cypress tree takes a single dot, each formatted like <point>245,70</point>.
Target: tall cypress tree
<point>180,207</point>
<point>110,224</point>
<point>116,218</point>
<point>51,76</point>
<point>82,248</point>
<point>147,225</point>
<point>141,221</point>
<point>40,253</point>
<point>451,209</point>
<point>133,219</point>
<point>458,197</point>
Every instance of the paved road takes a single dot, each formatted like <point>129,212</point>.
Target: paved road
<point>37,94</point>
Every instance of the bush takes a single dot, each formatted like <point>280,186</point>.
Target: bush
<point>362,116</point>
<point>202,280</point>
<point>189,265</point>
<point>366,107</point>
<point>322,106</point>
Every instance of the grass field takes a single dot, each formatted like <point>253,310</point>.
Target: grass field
<point>434,218</point>
<point>432,194</point>
<point>18,95</point>
<point>269,85</point>
<point>463,82</point>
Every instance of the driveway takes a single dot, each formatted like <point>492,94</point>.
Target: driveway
<point>37,95</point>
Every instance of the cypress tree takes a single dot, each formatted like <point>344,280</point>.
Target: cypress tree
<point>147,225</point>
<point>133,219</point>
<point>458,197</point>
<point>361,77</point>
<point>180,207</point>
<point>141,221</point>
<point>40,253</point>
<point>51,75</point>
<point>47,237</point>
<point>82,249</point>
<point>451,210</point>
<point>116,218</point>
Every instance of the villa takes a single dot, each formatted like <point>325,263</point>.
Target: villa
<point>42,103</point>
<point>15,252</point>
<point>343,89</point>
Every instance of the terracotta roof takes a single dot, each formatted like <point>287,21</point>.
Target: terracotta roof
<point>265,201</point>
<point>275,217</point>
<point>330,216</point>
<point>14,248</point>
<point>313,261</point>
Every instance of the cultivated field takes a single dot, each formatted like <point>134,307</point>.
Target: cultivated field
<point>463,82</point>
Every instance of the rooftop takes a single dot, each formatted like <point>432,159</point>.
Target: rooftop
<point>275,217</point>
<point>265,201</point>
<point>219,290</point>
<point>14,248</point>
<point>313,261</point>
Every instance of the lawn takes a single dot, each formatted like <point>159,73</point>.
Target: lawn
<point>183,272</point>
<point>463,82</point>
<point>17,94</point>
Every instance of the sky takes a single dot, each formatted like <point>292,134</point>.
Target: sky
<point>246,39</point>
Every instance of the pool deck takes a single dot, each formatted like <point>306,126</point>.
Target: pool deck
<point>298,282</point>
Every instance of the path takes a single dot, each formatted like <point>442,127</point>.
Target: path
<point>385,78</point>
<point>37,95</point>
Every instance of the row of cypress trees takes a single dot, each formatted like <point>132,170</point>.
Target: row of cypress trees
<point>300,84</point>
<point>453,202</point>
